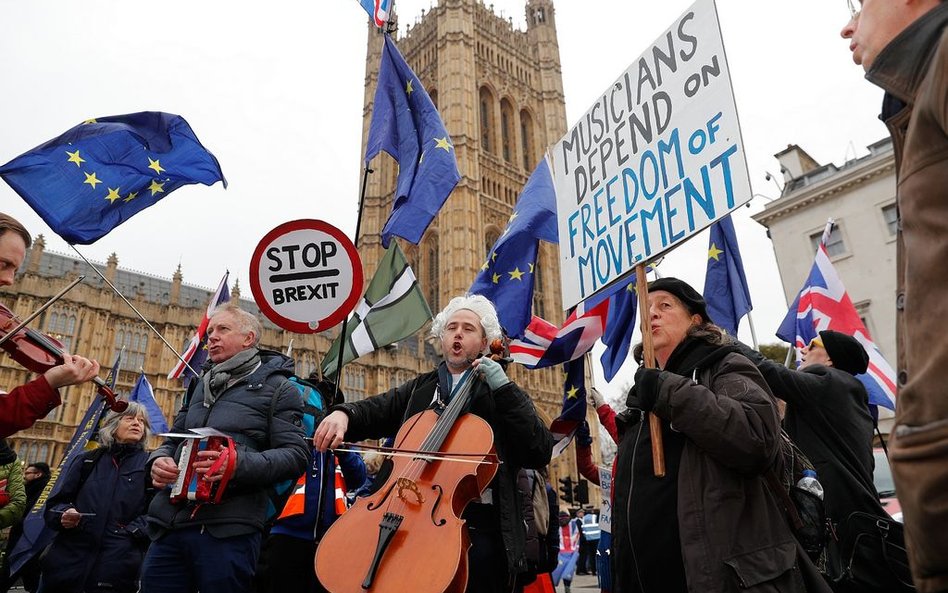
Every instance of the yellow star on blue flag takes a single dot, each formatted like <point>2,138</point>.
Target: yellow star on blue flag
<point>132,153</point>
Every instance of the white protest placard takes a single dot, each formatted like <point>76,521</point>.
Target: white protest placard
<point>655,160</point>
<point>306,275</point>
<point>605,509</point>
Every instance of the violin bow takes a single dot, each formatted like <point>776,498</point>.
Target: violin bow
<point>45,306</point>
<point>416,454</point>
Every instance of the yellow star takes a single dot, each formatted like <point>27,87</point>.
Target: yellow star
<point>92,180</point>
<point>573,391</point>
<point>131,196</point>
<point>493,256</point>
<point>443,143</point>
<point>496,278</point>
<point>154,164</point>
<point>512,217</point>
<point>408,88</point>
<point>485,266</point>
<point>714,252</point>
<point>113,195</point>
<point>531,268</point>
<point>90,121</point>
<point>516,274</point>
<point>156,188</point>
<point>75,158</point>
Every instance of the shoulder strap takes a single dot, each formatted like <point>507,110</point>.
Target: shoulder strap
<point>274,380</point>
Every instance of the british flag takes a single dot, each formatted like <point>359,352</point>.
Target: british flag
<point>824,304</point>
<point>196,352</point>
<point>545,345</point>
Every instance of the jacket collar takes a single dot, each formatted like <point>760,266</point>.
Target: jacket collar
<point>902,65</point>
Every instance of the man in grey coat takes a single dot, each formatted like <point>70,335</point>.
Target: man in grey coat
<point>244,394</point>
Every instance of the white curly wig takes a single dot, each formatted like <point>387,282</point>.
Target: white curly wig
<point>481,307</point>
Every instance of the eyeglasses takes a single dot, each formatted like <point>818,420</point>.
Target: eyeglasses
<point>855,6</point>
<point>815,342</point>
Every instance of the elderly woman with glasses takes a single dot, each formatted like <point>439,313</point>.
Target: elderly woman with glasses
<point>711,523</point>
<point>98,511</point>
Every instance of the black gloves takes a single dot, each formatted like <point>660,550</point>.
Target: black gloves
<point>583,438</point>
<point>645,391</point>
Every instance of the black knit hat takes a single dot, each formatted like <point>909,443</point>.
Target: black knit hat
<point>845,352</point>
<point>689,297</point>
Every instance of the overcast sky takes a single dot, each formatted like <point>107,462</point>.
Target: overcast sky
<point>275,92</point>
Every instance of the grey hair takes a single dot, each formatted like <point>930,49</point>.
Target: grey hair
<point>110,424</point>
<point>246,322</point>
<point>479,305</point>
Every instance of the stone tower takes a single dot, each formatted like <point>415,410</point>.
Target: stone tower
<point>499,91</point>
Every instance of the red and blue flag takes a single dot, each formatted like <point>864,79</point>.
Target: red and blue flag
<point>196,352</point>
<point>823,303</point>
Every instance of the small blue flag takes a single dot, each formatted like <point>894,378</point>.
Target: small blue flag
<point>100,173</point>
<point>573,414</point>
<point>145,395</point>
<point>406,125</point>
<point>620,324</point>
<point>725,285</point>
<point>506,278</point>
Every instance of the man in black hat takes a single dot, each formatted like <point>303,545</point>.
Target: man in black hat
<point>828,417</point>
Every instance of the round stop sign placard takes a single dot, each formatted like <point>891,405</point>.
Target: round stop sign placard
<point>306,275</point>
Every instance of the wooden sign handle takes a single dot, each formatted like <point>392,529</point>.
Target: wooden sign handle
<point>655,426</point>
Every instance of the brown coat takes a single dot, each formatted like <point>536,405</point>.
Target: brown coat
<point>733,533</point>
<point>914,69</point>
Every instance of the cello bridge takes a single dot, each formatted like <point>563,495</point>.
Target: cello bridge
<point>403,484</point>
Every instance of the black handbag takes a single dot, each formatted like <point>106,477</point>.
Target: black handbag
<point>872,555</point>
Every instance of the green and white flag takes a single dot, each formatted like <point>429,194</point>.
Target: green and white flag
<point>392,309</point>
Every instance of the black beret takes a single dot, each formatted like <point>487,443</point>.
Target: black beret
<point>690,298</point>
<point>845,352</point>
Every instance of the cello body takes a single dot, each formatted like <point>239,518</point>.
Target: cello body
<point>408,535</point>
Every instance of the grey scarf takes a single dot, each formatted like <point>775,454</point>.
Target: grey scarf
<point>219,376</point>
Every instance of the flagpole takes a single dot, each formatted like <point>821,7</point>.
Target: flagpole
<point>655,426</point>
<point>355,242</point>
<point>750,321</point>
<point>137,312</point>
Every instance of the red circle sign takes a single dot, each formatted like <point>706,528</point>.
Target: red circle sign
<point>306,275</point>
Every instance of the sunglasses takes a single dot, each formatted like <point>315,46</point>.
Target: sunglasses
<point>816,342</point>
<point>854,7</point>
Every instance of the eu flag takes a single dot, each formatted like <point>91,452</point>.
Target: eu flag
<point>620,324</point>
<point>725,286</point>
<point>102,172</point>
<point>506,278</point>
<point>406,125</point>
<point>573,414</point>
<point>145,395</point>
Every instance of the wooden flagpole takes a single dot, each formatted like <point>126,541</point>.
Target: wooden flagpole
<point>648,351</point>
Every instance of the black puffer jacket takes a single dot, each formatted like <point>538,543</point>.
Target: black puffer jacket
<point>520,438</point>
<point>270,448</point>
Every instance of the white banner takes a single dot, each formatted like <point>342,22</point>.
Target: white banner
<point>655,160</point>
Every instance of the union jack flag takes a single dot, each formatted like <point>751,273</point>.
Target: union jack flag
<point>824,304</point>
<point>196,352</point>
<point>545,345</point>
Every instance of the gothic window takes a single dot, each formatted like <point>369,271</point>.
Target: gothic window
<point>538,307</point>
<point>487,119</point>
<point>506,130</point>
<point>135,341</point>
<point>490,239</point>
<point>526,140</point>
<point>355,383</point>
<point>431,273</point>
<point>62,326</point>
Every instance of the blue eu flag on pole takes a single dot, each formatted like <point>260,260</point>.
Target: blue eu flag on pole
<point>406,125</point>
<point>507,277</point>
<point>145,395</point>
<point>102,172</point>
<point>620,324</point>
<point>725,286</point>
<point>573,414</point>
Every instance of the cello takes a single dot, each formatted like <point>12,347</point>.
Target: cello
<point>38,353</point>
<point>409,534</point>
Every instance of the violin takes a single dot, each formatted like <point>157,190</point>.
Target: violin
<point>38,353</point>
<point>409,534</point>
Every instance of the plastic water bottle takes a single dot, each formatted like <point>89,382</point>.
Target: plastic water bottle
<point>809,483</point>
